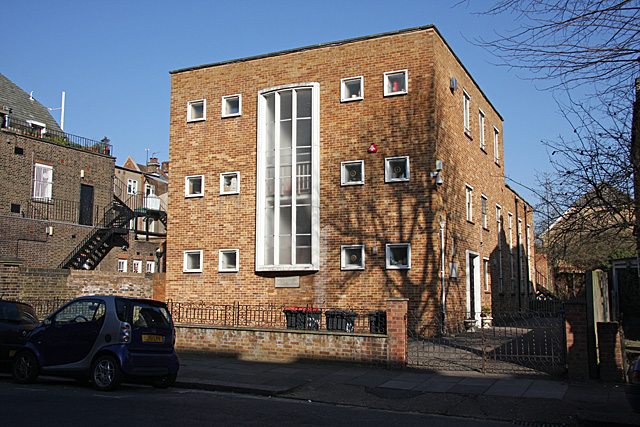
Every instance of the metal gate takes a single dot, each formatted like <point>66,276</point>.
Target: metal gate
<point>508,343</point>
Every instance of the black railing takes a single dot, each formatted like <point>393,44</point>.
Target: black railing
<point>61,138</point>
<point>59,210</point>
<point>271,316</point>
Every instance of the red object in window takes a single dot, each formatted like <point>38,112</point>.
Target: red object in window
<point>372,148</point>
<point>395,86</point>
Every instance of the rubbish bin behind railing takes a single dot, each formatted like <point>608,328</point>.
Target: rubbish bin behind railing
<point>303,318</point>
<point>340,320</point>
<point>378,322</point>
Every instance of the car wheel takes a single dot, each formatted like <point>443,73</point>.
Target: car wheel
<point>164,381</point>
<point>106,373</point>
<point>25,368</point>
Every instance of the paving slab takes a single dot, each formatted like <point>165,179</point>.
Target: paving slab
<point>509,387</point>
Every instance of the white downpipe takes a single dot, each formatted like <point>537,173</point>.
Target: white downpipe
<point>62,113</point>
<point>442,271</point>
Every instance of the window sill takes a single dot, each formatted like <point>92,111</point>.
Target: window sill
<point>468,135</point>
<point>192,196</point>
<point>228,116</point>
<point>196,120</point>
<point>230,193</point>
<point>357,98</point>
<point>471,222</point>
<point>386,95</point>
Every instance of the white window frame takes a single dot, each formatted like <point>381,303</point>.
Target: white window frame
<point>346,92</point>
<point>187,192</point>
<point>122,266</point>
<point>150,267</point>
<point>511,255</point>
<point>390,265</point>
<point>222,265</point>
<point>481,129</point>
<point>486,273</point>
<point>345,173</point>
<point>38,126</point>
<point>346,251</point>
<point>388,172</point>
<point>496,145</point>
<point>226,104</point>
<point>185,263</point>
<point>485,219</point>
<point>191,105</point>
<point>149,190</point>
<point>388,84</point>
<point>43,186</point>
<point>469,202</point>
<point>262,194</point>
<point>466,105</point>
<point>136,266</point>
<point>223,186</point>
<point>499,234</point>
<point>132,186</point>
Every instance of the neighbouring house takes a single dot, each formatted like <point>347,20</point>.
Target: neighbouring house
<point>58,208</point>
<point>342,174</point>
<point>593,230</point>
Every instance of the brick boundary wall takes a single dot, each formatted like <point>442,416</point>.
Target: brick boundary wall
<point>612,366</point>
<point>271,345</point>
<point>576,339</point>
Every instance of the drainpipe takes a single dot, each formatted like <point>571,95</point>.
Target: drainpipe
<point>518,258</point>
<point>528,255</point>
<point>442,272</point>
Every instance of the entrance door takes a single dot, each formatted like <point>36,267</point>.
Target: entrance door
<point>86,205</point>
<point>474,302</point>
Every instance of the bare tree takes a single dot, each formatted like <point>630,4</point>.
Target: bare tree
<point>587,52</point>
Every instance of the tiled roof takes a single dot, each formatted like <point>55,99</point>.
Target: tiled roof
<point>23,106</point>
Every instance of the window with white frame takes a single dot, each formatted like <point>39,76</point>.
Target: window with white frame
<point>288,192</point>
<point>352,173</point>
<point>469,202</point>
<point>137,266</point>
<point>496,145</point>
<point>511,254</point>
<point>151,267</point>
<point>194,186</point>
<point>192,262</point>
<point>197,110</point>
<point>39,127</point>
<point>232,105</point>
<point>481,129</point>
<point>485,222</point>
<point>122,266</point>
<point>228,260</point>
<point>149,190</point>
<point>499,233</point>
<point>352,257</point>
<point>466,106</point>
<point>132,186</point>
<point>398,256</point>
<point>230,183</point>
<point>42,182</point>
<point>486,273</point>
<point>352,89</point>
<point>396,83</point>
<point>396,169</point>
<point>520,255</point>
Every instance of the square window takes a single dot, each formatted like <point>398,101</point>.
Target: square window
<point>230,183</point>
<point>352,173</point>
<point>15,208</point>
<point>398,256</point>
<point>192,261</point>
<point>197,110</point>
<point>396,169</point>
<point>122,266</point>
<point>228,260</point>
<point>194,186</point>
<point>396,83</point>
<point>232,105</point>
<point>352,257</point>
<point>352,89</point>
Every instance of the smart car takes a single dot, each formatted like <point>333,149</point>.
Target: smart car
<point>17,319</point>
<point>107,339</point>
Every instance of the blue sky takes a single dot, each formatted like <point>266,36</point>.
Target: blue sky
<point>113,60</point>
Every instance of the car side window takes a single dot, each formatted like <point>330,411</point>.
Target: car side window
<point>148,316</point>
<point>81,311</point>
<point>9,312</point>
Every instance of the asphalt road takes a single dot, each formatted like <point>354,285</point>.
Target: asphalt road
<point>56,402</point>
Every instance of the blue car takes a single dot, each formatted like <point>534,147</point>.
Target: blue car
<point>108,339</point>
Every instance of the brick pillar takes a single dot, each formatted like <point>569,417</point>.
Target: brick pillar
<point>10,278</point>
<point>397,331</point>
<point>575,323</point>
<point>610,349</point>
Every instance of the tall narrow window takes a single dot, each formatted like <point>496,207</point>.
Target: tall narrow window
<point>288,178</point>
<point>466,105</point>
<point>481,129</point>
<point>496,145</point>
<point>486,274</point>
<point>511,254</point>
<point>42,182</point>
<point>469,198</point>
<point>499,231</point>
<point>485,222</point>
<point>132,186</point>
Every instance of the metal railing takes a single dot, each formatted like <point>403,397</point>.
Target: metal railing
<point>269,316</point>
<point>45,307</point>
<point>59,210</point>
<point>61,138</point>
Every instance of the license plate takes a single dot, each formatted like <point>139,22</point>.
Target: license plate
<point>12,353</point>
<point>152,338</point>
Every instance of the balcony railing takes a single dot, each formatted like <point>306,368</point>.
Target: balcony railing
<point>62,211</point>
<point>61,138</point>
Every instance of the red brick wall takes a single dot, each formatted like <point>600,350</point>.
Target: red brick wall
<point>611,364</point>
<point>426,124</point>
<point>576,339</point>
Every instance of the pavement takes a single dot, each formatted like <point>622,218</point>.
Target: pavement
<point>522,400</point>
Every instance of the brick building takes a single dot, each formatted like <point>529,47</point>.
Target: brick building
<point>342,174</point>
<point>57,201</point>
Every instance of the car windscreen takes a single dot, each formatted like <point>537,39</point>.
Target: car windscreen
<point>17,313</point>
<point>147,315</point>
